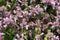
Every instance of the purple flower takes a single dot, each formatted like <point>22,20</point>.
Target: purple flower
<point>23,22</point>
<point>38,8</point>
<point>56,37</point>
<point>26,27</point>
<point>14,11</point>
<point>56,24</point>
<point>8,21</point>
<point>38,23</point>
<point>7,13</point>
<point>0,18</point>
<point>32,1</point>
<point>57,18</point>
<point>49,23</point>
<point>0,25</point>
<point>32,24</point>
<point>1,8</point>
<point>25,3</point>
<point>46,16</point>
<point>49,35</point>
<point>17,35</point>
<point>25,13</point>
<point>1,36</point>
<point>58,30</point>
<point>8,4</point>
<point>18,8</point>
<point>58,8</point>
<point>52,2</point>
<point>44,27</point>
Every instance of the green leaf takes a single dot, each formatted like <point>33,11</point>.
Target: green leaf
<point>5,8</point>
<point>9,34</point>
<point>45,38</point>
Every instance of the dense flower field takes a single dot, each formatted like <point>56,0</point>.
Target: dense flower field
<point>29,19</point>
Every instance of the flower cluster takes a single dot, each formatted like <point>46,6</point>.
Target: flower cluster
<point>30,20</point>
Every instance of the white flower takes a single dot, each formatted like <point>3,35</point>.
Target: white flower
<point>26,27</point>
<point>1,34</point>
<point>17,35</point>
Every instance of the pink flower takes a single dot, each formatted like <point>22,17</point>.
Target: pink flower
<point>44,27</point>
<point>25,3</point>
<point>32,1</point>
<point>38,23</point>
<point>1,36</point>
<point>38,8</point>
<point>1,8</point>
<point>32,24</point>
<point>25,13</point>
<point>11,16</point>
<point>7,13</point>
<point>58,30</point>
<point>46,16</point>
<point>18,8</point>
<point>0,25</point>
<point>58,8</point>
<point>49,35</point>
<point>52,2</point>
<point>9,4</point>
<point>17,35</point>
<point>23,22</point>
<point>26,27</point>
<point>55,25</point>
<point>56,37</point>
<point>14,11</point>
<point>8,20</point>
<point>57,18</point>
<point>0,18</point>
<point>49,23</point>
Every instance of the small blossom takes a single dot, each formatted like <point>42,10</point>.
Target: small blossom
<point>1,8</point>
<point>37,37</point>
<point>38,23</point>
<point>46,16</point>
<point>1,36</point>
<point>25,13</point>
<point>25,3</point>
<point>58,30</point>
<point>32,24</point>
<point>17,35</point>
<point>23,22</point>
<point>56,37</point>
<point>56,24</point>
<point>22,35</point>
<point>26,27</point>
<point>49,23</point>
<point>58,8</point>
<point>0,23</point>
<point>9,4</point>
<point>32,1</point>
<point>8,20</point>
<point>44,27</point>
<point>49,35</point>
<point>14,11</point>
<point>7,13</point>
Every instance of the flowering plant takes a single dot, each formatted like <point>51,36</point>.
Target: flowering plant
<point>30,20</point>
